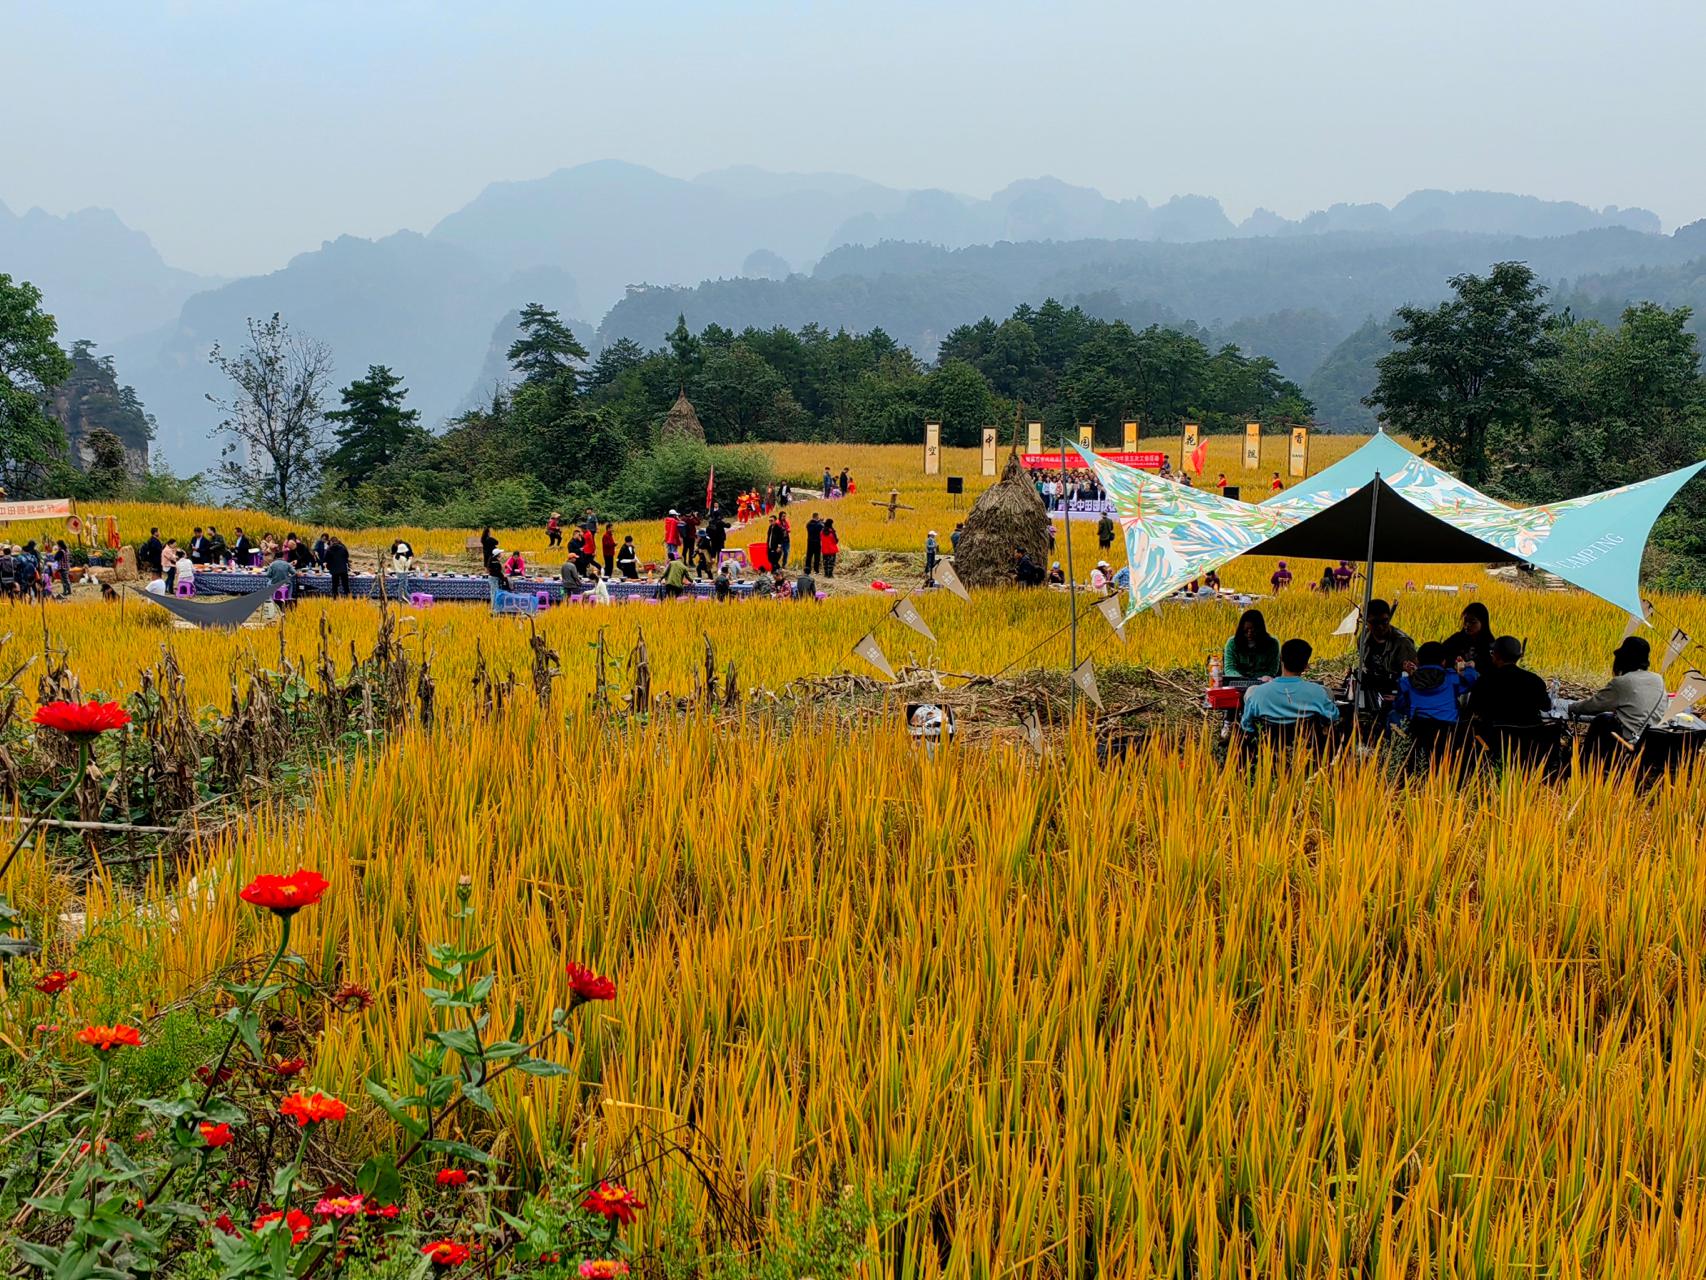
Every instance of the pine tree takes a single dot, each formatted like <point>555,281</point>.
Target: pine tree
<point>373,428</point>
<point>547,348</point>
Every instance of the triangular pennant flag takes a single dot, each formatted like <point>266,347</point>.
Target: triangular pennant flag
<point>1692,689</point>
<point>1111,610</point>
<point>904,611</point>
<point>1673,650</point>
<point>946,577</point>
<point>1084,676</point>
<point>871,652</point>
<point>1349,626</point>
<point>1034,733</point>
<point>1636,622</point>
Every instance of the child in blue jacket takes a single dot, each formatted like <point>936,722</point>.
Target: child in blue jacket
<point>1430,692</point>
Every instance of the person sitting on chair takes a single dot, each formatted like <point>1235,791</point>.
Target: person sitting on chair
<point>1251,653</point>
<point>1290,699</point>
<point>1507,694</point>
<point>1384,653</point>
<point>1474,640</point>
<point>1632,703</point>
<point>1431,690</point>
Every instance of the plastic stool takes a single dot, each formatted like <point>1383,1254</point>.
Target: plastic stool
<point>184,587</point>
<point>544,599</point>
<point>282,595</point>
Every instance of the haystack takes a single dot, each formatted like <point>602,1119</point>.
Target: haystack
<point>1007,519</point>
<point>682,421</point>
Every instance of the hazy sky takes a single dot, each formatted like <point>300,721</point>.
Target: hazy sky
<point>237,134</point>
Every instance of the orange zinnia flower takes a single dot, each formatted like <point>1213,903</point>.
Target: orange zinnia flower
<point>452,1177</point>
<point>216,1135</point>
<point>312,1108</point>
<point>103,1039</point>
<point>285,895</point>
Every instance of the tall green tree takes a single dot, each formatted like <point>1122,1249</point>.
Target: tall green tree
<point>547,348</point>
<point>373,428</point>
<point>1466,369</point>
<point>31,363</point>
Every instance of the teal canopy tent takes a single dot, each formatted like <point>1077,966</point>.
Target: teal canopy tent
<point>1174,534</point>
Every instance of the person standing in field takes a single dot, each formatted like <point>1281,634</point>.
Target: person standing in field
<point>828,482</point>
<point>62,568</point>
<point>608,546</point>
<point>148,554</point>
<point>627,559</point>
<point>337,562</point>
<point>675,578</point>
<point>773,543</point>
<point>787,536</point>
<point>831,547</point>
<point>671,535</point>
<point>814,542</point>
<point>169,563</point>
<point>1104,533</point>
<point>930,548</point>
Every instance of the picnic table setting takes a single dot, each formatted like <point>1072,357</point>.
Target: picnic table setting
<point>435,587</point>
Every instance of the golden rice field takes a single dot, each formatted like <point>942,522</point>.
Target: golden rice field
<point>1152,1019</point>
<point>1158,1017</point>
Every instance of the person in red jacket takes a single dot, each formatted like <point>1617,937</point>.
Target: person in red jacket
<point>831,548</point>
<point>671,535</point>
<point>608,545</point>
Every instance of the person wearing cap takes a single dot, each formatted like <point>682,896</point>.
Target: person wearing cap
<point>1383,653</point>
<point>1281,578</point>
<point>1633,702</point>
<point>930,549</point>
<point>1507,694</point>
<point>1056,575</point>
<point>1099,576</point>
<point>672,535</point>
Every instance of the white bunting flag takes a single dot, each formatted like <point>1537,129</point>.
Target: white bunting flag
<point>1636,622</point>
<point>1034,733</point>
<point>1114,613</point>
<point>904,611</point>
<point>946,577</point>
<point>872,652</point>
<point>1673,650</point>
<point>1692,689</point>
<point>1084,676</point>
<point>1349,626</point>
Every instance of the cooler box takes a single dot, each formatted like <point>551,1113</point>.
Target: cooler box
<point>1224,699</point>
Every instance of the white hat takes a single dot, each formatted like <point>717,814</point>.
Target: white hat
<point>932,533</point>
<point>673,512</point>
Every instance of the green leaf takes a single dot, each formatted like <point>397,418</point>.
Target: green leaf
<point>410,1125</point>
<point>479,1097</point>
<point>500,1049</point>
<point>446,1147</point>
<point>378,1179</point>
<point>542,1067</point>
<point>458,1041</point>
<point>282,1179</point>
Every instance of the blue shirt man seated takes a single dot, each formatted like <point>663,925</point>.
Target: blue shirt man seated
<point>1290,698</point>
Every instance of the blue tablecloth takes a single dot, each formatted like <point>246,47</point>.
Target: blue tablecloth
<point>440,586</point>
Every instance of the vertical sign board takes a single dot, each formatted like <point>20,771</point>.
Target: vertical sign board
<point>989,451</point>
<point>1299,452</point>
<point>1033,437</point>
<point>1130,435</point>
<point>1252,445</point>
<point>1087,438</point>
<point>1193,433</point>
<point>932,448</point>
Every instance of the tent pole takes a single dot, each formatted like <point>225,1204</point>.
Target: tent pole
<point>1071,582</point>
<point>1368,578</point>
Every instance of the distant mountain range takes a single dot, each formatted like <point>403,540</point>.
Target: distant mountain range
<point>744,245</point>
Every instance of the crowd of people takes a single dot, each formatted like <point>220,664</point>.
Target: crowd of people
<point>169,567</point>
<point>1471,676</point>
<point>26,573</point>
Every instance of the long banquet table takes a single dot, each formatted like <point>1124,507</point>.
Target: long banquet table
<point>440,586</point>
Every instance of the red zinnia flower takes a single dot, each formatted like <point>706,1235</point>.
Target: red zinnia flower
<point>51,984</point>
<point>339,1207</point>
<point>613,1200</point>
<point>380,1210</point>
<point>296,1222</point>
<point>312,1108</point>
<point>82,719</point>
<point>445,1253</point>
<point>603,1269</point>
<point>224,1223</point>
<point>102,1039</point>
<point>452,1177</point>
<point>99,1147</point>
<point>216,1135</point>
<point>285,1068</point>
<point>585,985</point>
<point>286,895</point>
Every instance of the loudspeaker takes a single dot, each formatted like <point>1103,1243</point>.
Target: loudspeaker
<point>1231,491</point>
<point>956,484</point>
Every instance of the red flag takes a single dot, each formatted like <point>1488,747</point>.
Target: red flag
<point>1199,456</point>
<point>711,489</point>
